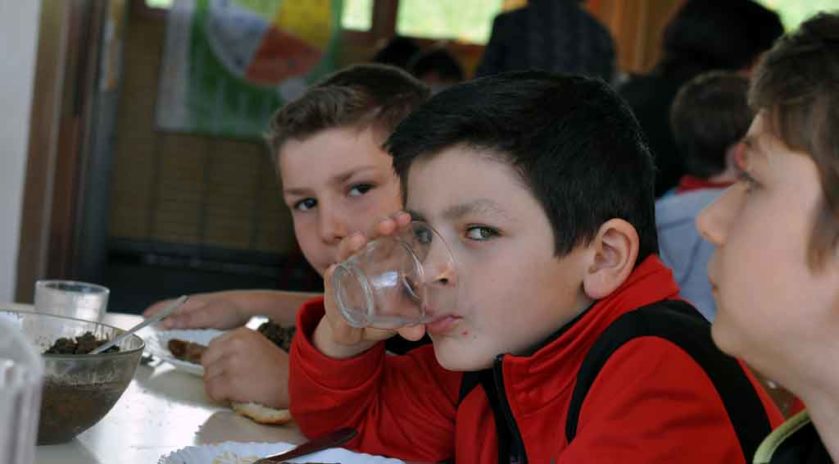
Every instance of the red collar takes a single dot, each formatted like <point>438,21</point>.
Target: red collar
<point>558,361</point>
<point>690,183</point>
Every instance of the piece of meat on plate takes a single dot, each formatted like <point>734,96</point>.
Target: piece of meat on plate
<point>186,351</point>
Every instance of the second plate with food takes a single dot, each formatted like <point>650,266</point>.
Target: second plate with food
<point>158,345</point>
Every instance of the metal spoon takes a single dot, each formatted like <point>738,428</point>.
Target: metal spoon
<point>162,314</point>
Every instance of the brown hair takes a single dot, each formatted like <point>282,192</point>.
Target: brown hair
<point>797,83</point>
<point>362,96</point>
<point>710,114</point>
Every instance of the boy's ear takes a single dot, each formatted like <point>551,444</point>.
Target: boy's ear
<point>614,251</point>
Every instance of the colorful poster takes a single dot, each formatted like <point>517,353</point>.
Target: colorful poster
<point>229,64</point>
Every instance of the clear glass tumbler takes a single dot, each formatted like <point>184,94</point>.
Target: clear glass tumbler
<point>79,300</point>
<point>398,280</point>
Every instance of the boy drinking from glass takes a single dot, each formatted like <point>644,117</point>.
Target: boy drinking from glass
<point>567,343</point>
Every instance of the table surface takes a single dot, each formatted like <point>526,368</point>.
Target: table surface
<point>161,411</point>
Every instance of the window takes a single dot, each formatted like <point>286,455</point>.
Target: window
<point>357,15</point>
<point>166,4</point>
<point>464,20</point>
<point>794,12</point>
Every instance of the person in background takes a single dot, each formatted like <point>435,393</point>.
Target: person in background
<point>336,180</point>
<point>776,268</point>
<point>437,68</point>
<point>709,117</point>
<point>397,51</point>
<point>550,35</point>
<point>703,35</point>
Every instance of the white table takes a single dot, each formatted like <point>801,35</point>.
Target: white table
<point>162,410</point>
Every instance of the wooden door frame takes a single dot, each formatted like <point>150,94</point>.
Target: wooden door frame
<point>65,77</point>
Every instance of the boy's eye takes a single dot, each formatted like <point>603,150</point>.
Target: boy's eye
<point>305,204</point>
<point>360,189</point>
<point>480,233</point>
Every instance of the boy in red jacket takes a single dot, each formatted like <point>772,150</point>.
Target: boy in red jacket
<point>567,343</point>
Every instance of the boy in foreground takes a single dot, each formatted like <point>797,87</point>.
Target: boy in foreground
<point>776,269</point>
<point>567,343</point>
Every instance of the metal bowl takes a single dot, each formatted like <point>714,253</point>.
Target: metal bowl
<point>79,389</point>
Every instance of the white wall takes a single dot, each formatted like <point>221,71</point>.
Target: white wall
<point>18,41</point>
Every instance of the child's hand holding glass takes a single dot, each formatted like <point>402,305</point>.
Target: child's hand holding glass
<point>384,285</point>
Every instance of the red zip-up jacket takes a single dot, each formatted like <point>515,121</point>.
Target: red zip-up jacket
<point>651,402</point>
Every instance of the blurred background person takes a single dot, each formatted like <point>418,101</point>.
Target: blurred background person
<point>551,35</point>
<point>703,35</point>
<point>437,68</point>
<point>709,117</point>
<point>398,51</point>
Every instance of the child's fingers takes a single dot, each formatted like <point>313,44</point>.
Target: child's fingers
<point>350,245</point>
<point>182,318</point>
<point>412,332</point>
<point>391,224</point>
<point>327,279</point>
<point>384,227</point>
<point>374,334</point>
<point>402,218</point>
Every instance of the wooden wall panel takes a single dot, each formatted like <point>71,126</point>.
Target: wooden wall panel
<point>636,27</point>
<point>183,188</point>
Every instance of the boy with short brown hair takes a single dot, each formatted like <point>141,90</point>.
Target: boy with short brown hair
<point>337,179</point>
<point>776,269</point>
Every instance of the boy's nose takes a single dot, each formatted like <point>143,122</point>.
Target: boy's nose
<point>715,220</point>
<point>439,267</point>
<point>332,227</point>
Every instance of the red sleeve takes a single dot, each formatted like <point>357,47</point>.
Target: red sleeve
<point>651,403</point>
<point>402,406</point>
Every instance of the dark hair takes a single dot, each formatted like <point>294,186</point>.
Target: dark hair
<point>572,140</point>
<point>710,114</point>
<point>439,61</point>
<point>397,51</point>
<point>365,95</point>
<point>717,34</point>
<point>797,84</point>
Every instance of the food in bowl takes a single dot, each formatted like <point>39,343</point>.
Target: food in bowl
<point>84,344</point>
<point>79,389</point>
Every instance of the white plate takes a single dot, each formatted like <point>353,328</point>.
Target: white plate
<point>158,345</point>
<point>231,452</point>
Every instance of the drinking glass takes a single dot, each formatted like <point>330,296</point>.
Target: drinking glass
<point>67,298</point>
<point>397,280</point>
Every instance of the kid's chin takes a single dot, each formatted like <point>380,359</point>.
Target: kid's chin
<point>460,358</point>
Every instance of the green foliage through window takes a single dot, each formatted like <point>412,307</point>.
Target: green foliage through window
<point>465,20</point>
<point>357,15</point>
<point>794,12</point>
<point>159,3</point>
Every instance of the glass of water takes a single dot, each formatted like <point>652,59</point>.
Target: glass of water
<point>397,280</point>
<point>68,298</point>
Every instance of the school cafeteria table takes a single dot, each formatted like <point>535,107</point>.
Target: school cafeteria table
<point>162,410</point>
